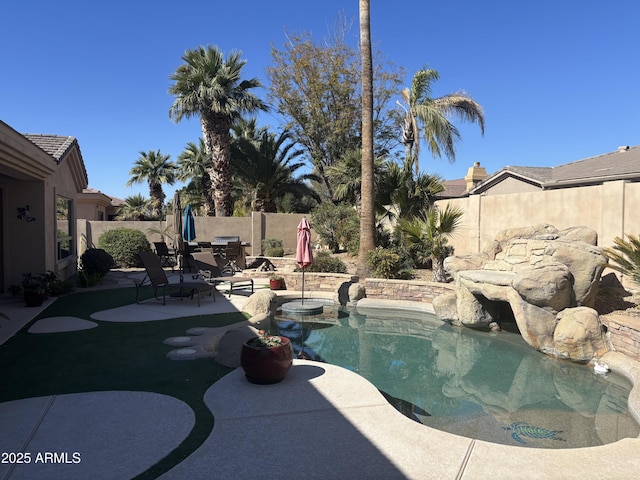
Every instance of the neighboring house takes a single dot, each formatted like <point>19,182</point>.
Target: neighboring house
<point>460,187</point>
<point>623,164</point>
<point>95,205</point>
<point>40,178</point>
<point>600,192</point>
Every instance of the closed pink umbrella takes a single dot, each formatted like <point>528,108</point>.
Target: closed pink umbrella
<point>304,255</point>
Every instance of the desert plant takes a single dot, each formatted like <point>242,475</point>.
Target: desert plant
<point>96,261</point>
<point>338,226</point>
<point>626,255</point>
<point>86,280</point>
<point>124,244</point>
<point>385,263</point>
<point>325,263</point>
<point>272,247</point>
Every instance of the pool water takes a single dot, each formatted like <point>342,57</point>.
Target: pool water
<point>482,385</point>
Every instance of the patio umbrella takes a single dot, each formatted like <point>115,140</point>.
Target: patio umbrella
<point>188,228</point>
<point>304,255</point>
<point>178,243</point>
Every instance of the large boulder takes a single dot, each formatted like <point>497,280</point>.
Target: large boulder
<point>262,301</point>
<point>540,273</point>
<point>579,335</point>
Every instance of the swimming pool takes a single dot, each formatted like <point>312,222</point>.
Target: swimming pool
<point>477,384</point>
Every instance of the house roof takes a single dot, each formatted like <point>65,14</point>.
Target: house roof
<point>60,147</point>
<point>623,164</point>
<point>453,189</point>
<point>54,145</point>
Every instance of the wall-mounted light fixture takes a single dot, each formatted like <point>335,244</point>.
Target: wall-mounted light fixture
<point>23,214</point>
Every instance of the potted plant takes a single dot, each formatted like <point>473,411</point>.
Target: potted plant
<point>266,359</point>
<point>276,282</point>
<point>34,289</point>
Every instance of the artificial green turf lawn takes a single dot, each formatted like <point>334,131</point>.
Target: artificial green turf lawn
<point>113,356</point>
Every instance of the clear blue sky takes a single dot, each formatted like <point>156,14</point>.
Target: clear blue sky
<point>558,79</point>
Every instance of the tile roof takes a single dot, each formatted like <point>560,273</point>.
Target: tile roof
<point>54,145</point>
<point>622,164</point>
<point>453,189</point>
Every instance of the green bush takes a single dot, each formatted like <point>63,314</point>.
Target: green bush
<point>124,244</point>
<point>272,247</point>
<point>385,263</point>
<point>86,280</point>
<point>338,226</point>
<point>96,260</point>
<point>323,262</point>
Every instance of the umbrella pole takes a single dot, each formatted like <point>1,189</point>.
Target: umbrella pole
<point>302,285</point>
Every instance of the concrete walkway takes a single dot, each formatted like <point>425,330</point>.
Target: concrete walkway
<point>320,422</point>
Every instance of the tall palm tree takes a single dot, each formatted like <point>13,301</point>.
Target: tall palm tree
<point>156,169</point>
<point>194,164</point>
<point>135,207</point>
<point>433,114</point>
<point>267,165</point>
<point>367,208</point>
<point>208,86</point>
<point>428,236</point>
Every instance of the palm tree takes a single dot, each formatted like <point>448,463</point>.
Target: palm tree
<point>367,209</point>
<point>434,113</point>
<point>428,236</point>
<point>266,166</point>
<point>404,193</point>
<point>156,169</point>
<point>208,86</point>
<point>346,177</point>
<point>194,165</point>
<point>626,255</point>
<point>135,207</point>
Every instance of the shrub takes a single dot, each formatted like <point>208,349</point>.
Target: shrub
<point>96,260</point>
<point>338,226</point>
<point>385,263</point>
<point>626,255</point>
<point>323,262</point>
<point>86,280</point>
<point>124,244</point>
<point>272,247</point>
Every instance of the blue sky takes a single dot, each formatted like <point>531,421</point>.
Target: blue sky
<point>558,79</point>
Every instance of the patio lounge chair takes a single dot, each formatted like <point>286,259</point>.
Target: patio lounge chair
<point>157,278</point>
<point>210,272</point>
<point>167,258</point>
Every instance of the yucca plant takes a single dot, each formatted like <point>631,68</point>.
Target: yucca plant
<point>626,255</point>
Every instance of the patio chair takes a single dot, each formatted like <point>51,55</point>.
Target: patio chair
<point>210,272</point>
<point>232,252</point>
<point>157,278</point>
<point>167,258</point>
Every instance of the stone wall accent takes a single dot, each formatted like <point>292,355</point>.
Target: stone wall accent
<point>623,332</point>
<point>410,290</point>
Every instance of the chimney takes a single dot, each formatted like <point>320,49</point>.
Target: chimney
<point>475,175</point>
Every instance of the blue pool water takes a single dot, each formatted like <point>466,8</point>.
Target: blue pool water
<point>480,385</point>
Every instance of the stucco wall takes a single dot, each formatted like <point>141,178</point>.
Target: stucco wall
<point>251,229</point>
<point>611,209</point>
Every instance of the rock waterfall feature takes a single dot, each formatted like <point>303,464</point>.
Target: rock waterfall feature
<point>543,278</point>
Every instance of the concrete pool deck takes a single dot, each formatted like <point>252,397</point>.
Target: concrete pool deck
<point>321,421</point>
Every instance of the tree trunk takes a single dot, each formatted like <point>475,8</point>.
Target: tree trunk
<point>217,140</point>
<point>367,211</point>
<point>437,269</point>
